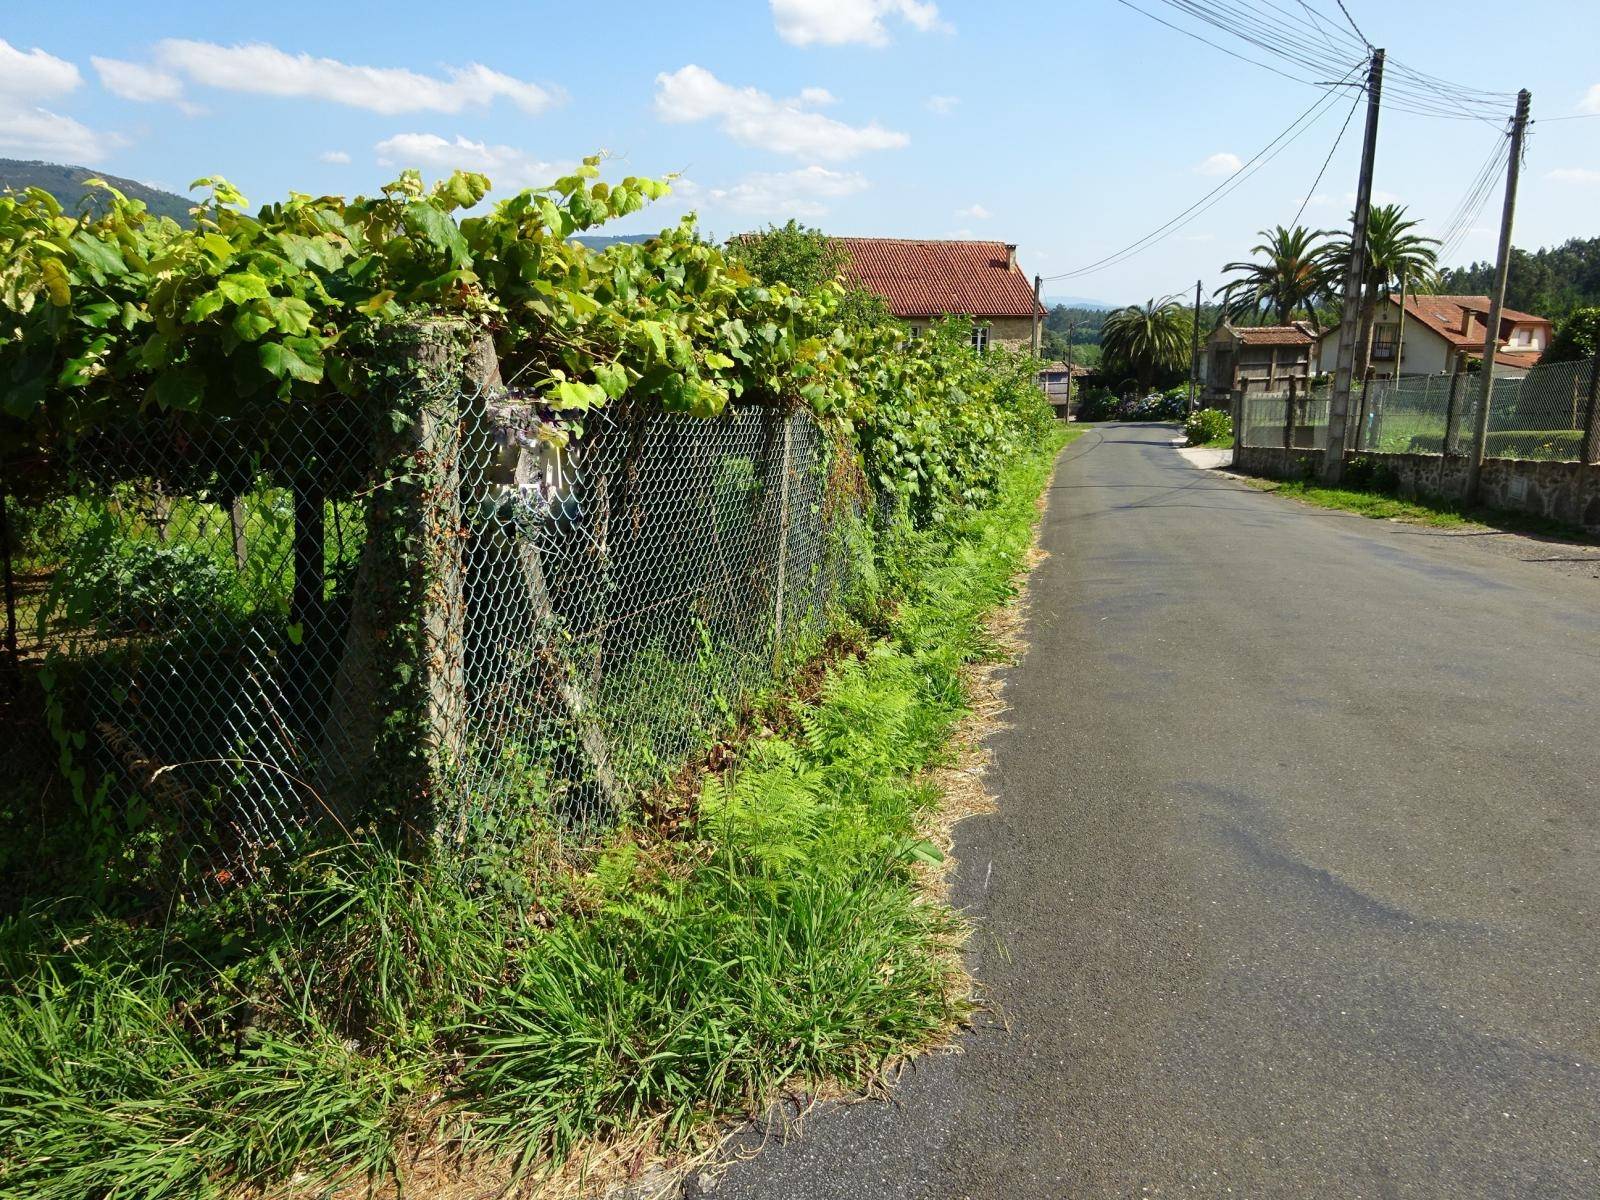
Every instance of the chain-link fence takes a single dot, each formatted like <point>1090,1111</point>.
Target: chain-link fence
<point>1540,415</point>
<point>248,634</point>
<point>1296,420</point>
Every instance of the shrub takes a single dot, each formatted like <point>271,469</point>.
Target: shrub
<point>130,586</point>
<point>1097,404</point>
<point>1208,425</point>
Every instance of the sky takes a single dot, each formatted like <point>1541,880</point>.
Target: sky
<point>1070,127</point>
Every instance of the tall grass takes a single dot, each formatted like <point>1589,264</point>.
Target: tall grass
<point>304,1033</point>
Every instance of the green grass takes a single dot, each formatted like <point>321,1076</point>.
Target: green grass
<point>1380,505</point>
<point>523,1007</point>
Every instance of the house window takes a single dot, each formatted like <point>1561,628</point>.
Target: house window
<point>980,338</point>
<point>1383,343</point>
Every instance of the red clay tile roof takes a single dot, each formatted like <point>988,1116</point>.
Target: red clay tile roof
<point>1444,315</point>
<point>940,278</point>
<point>1480,305</point>
<point>1298,334</point>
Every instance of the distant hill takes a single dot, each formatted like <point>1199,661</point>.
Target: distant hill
<point>599,241</point>
<point>1077,302</point>
<point>66,185</point>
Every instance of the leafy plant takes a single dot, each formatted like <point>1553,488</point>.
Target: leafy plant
<point>1208,426</point>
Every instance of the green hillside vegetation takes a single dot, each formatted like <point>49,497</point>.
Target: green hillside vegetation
<point>1551,282</point>
<point>66,184</point>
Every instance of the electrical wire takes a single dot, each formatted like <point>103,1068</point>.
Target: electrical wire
<point>1263,156</point>
<point>1356,103</point>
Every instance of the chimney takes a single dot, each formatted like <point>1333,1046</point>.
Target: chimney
<point>1011,256</point>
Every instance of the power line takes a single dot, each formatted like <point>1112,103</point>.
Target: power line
<point>1353,24</point>
<point>1263,156</point>
<point>1354,104</point>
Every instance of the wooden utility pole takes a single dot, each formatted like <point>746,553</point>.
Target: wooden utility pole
<point>1491,335</point>
<point>1038,319</point>
<point>1354,275</point>
<point>1071,327</point>
<point>1194,352</point>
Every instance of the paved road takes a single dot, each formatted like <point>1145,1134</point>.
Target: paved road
<point>1294,888</point>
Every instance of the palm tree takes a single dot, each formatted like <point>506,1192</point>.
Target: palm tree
<point>1396,259</point>
<point>1293,276</point>
<point>1147,339</point>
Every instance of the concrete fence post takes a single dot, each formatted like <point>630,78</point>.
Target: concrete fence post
<point>1591,414</point>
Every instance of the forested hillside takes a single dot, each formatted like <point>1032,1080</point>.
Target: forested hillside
<point>66,185</point>
<point>1550,282</point>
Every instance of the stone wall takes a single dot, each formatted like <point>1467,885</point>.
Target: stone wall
<point>1561,491</point>
<point>1015,332</point>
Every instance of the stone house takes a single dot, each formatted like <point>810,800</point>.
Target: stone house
<point>1258,358</point>
<point>1442,333</point>
<point>924,281</point>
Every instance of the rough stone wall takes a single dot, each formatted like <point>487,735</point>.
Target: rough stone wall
<point>1274,462</point>
<point>1015,332</point>
<point>1561,491</point>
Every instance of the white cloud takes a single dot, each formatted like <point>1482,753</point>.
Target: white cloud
<point>1574,175</point>
<point>338,157</point>
<point>753,117</point>
<point>263,69</point>
<point>837,22</point>
<point>39,133</point>
<point>800,193</point>
<point>26,77</point>
<point>1219,164</point>
<point>942,105</point>
<point>977,212</point>
<point>817,97</point>
<point>134,81</point>
<point>1591,100</point>
<point>508,168</point>
<point>34,74</point>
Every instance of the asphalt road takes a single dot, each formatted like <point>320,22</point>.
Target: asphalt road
<point>1294,886</point>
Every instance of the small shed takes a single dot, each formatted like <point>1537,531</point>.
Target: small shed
<point>1259,358</point>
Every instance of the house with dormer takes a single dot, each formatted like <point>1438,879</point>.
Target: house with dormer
<point>1437,335</point>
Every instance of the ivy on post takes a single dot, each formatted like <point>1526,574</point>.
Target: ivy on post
<point>397,731</point>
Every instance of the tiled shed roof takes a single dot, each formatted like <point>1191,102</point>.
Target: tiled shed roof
<point>941,278</point>
<point>1297,334</point>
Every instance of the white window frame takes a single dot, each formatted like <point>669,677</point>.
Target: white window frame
<point>980,337</point>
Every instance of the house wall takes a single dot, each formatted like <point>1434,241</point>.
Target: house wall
<point>1424,351</point>
<point>1015,333</point>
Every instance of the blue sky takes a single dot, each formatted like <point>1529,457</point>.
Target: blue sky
<point>1070,127</point>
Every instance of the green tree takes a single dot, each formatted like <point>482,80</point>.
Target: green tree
<point>1577,337</point>
<point>1291,274</point>
<point>807,259</point>
<point>1397,259</point>
<point>1147,340</point>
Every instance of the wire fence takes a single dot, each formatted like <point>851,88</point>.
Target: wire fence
<point>234,662</point>
<point>1542,415</point>
<point>1295,420</point>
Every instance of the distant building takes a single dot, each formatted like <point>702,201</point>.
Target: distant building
<point>1258,358</point>
<point>1062,384</point>
<point>924,281</point>
<point>1442,333</point>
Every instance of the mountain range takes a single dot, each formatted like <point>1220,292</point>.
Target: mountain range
<point>66,184</point>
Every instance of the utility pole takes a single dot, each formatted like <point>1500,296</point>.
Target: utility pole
<point>1194,352</point>
<point>1038,320</point>
<point>1491,335</point>
<point>1354,276</point>
<point>1071,326</point>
